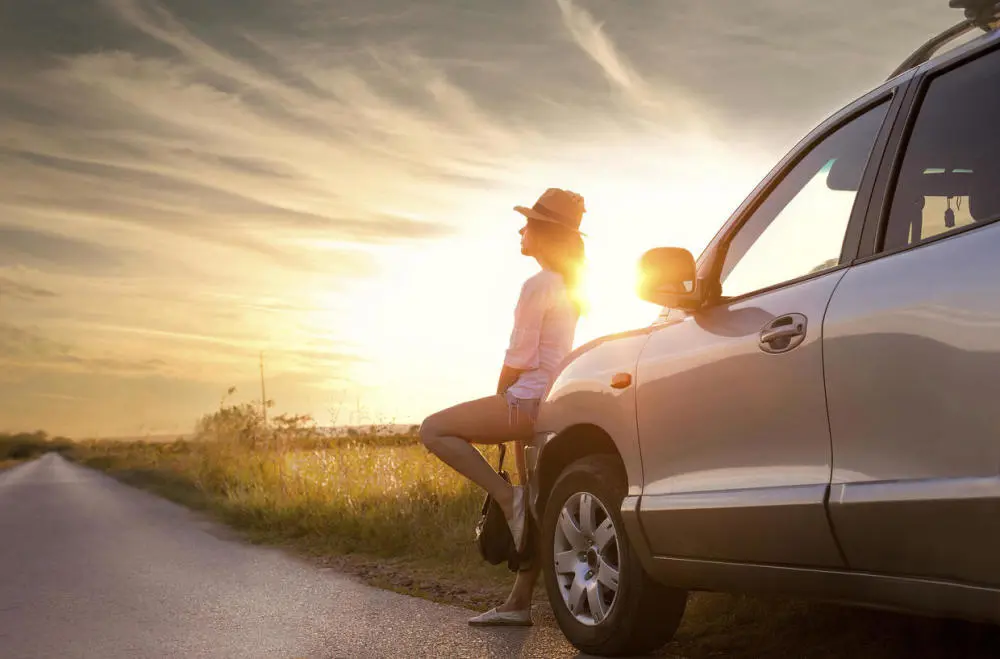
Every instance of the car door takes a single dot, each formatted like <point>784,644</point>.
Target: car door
<point>731,409</point>
<point>912,343</point>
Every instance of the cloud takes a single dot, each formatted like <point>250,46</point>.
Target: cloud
<point>174,202</point>
<point>22,347</point>
<point>590,37</point>
<point>311,360</point>
<point>57,397</point>
<point>205,144</point>
<point>17,343</point>
<point>35,246</point>
<point>26,292</point>
<point>661,107</point>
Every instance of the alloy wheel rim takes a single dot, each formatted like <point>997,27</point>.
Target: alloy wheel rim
<point>586,558</point>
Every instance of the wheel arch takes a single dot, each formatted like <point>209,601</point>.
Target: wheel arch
<point>571,444</point>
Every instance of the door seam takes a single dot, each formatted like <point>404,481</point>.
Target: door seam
<point>829,424</point>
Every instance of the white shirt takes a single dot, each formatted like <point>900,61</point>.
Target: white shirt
<point>544,325</point>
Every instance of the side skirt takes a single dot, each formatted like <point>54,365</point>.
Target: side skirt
<point>911,595</point>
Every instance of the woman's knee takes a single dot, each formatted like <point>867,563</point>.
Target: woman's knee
<point>429,431</point>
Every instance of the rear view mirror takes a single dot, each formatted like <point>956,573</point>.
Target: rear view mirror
<point>667,277</point>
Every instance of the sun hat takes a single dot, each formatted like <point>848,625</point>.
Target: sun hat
<point>557,206</point>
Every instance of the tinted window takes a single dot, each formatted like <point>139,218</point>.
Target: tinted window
<point>800,227</point>
<point>950,177</point>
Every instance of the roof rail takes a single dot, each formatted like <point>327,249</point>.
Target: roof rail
<point>984,14</point>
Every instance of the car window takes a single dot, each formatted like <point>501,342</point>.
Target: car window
<point>799,229</point>
<point>950,176</point>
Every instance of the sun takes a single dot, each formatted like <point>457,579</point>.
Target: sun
<point>609,288</point>
<point>432,325</point>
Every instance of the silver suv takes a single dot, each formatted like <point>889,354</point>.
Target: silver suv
<point>816,412</point>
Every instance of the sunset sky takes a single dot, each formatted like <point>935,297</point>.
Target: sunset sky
<point>186,183</point>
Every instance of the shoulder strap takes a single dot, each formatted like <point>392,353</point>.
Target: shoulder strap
<point>503,452</point>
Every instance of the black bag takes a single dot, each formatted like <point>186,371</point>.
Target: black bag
<point>493,537</point>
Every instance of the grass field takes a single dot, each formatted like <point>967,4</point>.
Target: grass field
<point>383,509</point>
<point>17,448</point>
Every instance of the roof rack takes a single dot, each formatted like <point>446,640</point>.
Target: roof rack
<point>984,14</point>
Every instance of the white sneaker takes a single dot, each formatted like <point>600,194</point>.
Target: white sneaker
<point>494,618</point>
<point>517,522</point>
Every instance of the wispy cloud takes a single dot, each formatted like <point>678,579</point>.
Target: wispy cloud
<point>665,106</point>
<point>12,289</point>
<point>589,34</point>
<point>29,348</point>
<point>170,139</point>
<point>54,250</point>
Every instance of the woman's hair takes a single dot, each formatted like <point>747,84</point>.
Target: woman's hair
<point>563,250</point>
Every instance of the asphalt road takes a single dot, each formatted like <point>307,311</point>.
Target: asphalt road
<point>90,567</point>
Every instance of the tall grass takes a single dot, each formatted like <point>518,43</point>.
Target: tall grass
<point>370,494</point>
<point>26,446</point>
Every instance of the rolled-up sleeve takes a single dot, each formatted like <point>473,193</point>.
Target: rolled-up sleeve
<point>522,353</point>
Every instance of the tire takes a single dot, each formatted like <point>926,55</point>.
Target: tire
<point>637,617</point>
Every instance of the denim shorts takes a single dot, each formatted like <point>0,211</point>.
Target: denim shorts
<point>521,409</point>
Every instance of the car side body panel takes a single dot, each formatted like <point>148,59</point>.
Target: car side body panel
<point>881,591</point>
<point>735,441</point>
<point>912,357</point>
<point>582,395</point>
<point>913,345</point>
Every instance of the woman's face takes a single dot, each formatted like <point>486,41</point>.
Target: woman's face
<point>529,240</point>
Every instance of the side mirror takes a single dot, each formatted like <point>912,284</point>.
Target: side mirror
<point>668,277</point>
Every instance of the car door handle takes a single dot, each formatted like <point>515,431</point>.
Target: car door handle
<point>783,333</point>
<point>775,334</point>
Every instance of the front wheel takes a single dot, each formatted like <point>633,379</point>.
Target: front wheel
<point>603,600</point>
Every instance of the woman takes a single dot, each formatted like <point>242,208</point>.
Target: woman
<point>544,324</point>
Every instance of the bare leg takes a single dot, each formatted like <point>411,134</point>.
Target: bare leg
<point>524,585</point>
<point>466,460</point>
<point>450,433</point>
